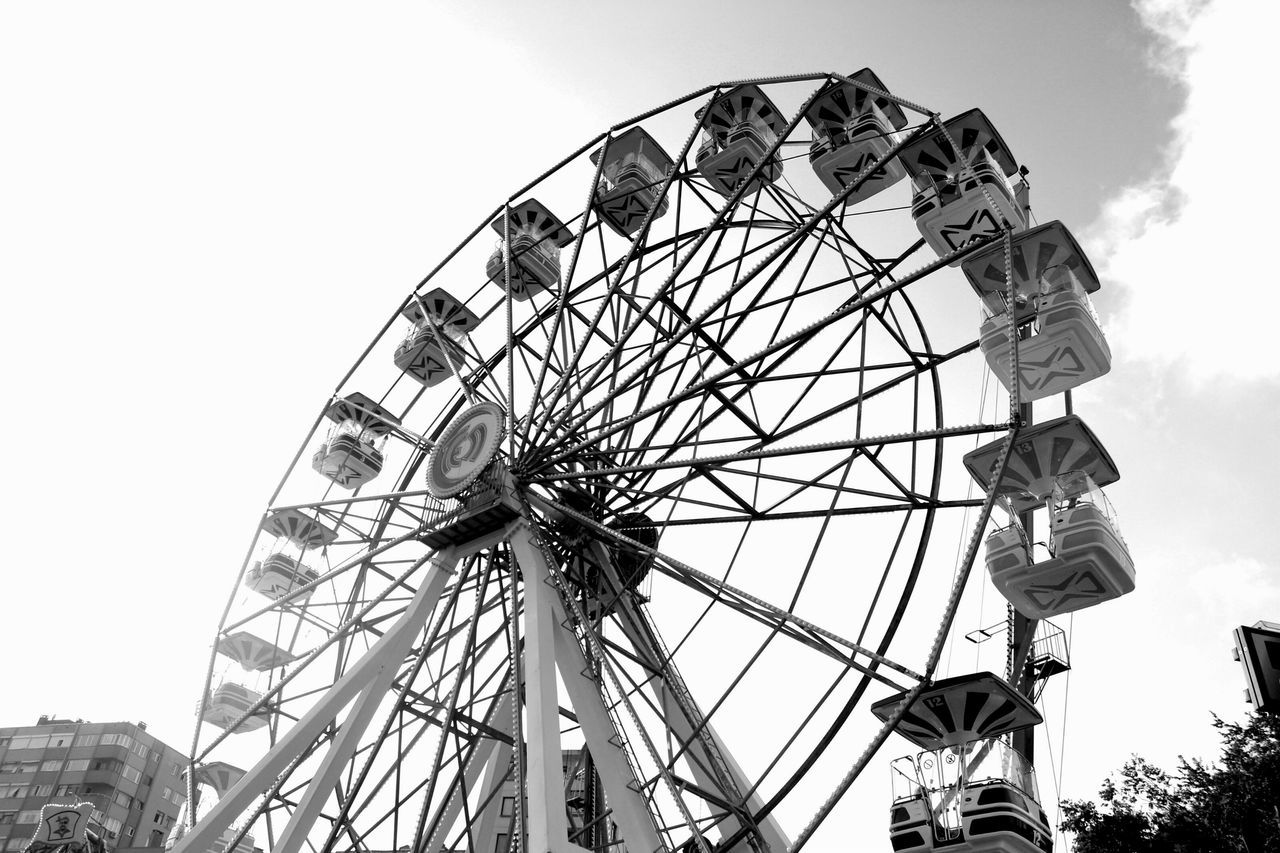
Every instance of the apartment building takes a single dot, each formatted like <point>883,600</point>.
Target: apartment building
<point>133,780</point>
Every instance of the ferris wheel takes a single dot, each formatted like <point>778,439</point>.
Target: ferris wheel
<point>627,530</point>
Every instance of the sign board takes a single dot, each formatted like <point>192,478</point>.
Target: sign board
<point>62,828</point>
<point>1258,650</point>
<point>465,448</point>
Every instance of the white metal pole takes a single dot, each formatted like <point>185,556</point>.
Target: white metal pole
<point>547,823</point>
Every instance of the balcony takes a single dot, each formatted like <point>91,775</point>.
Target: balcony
<point>487,505</point>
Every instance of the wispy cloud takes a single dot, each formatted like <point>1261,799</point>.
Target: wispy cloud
<point>1188,248</point>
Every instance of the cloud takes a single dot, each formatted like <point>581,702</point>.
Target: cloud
<point>1188,249</point>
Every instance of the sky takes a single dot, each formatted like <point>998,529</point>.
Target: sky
<point>207,211</point>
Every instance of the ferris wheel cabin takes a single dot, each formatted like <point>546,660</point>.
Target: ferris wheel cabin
<point>738,131</point>
<point>227,702</point>
<point>1062,465</point>
<point>968,790</point>
<point>351,454</point>
<point>635,166</point>
<point>1052,281</point>
<point>853,130</point>
<point>432,349</point>
<point>278,575</point>
<point>1089,561</point>
<point>535,241</point>
<point>950,199</point>
<point>235,695</point>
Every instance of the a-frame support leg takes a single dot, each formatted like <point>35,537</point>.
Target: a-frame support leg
<point>630,811</point>
<point>546,821</point>
<point>376,665</point>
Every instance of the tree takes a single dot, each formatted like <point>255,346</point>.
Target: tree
<point>1224,808</point>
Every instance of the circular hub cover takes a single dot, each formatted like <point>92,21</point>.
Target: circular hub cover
<point>464,449</point>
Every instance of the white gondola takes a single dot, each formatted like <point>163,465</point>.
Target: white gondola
<point>634,169</point>
<point>737,132</point>
<point>227,702</point>
<point>954,205</point>
<point>535,241</point>
<point>1066,349</point>
<point>852,130</point>
<point>432,349</point>
<point>278,575</point>
<point>976,797</point>
<point>348,456</point>
<point>352,452</point>
<point>1089,562</point>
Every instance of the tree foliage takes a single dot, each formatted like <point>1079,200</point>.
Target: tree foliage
<point>1230,806</point>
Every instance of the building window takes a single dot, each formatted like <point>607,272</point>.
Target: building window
<point>49,766</point>
<point>77,765</point>
<point>14,791</point>
<point>123,799</point>
<point>141,750</point>
<point>28,816</point>
<point>66,790</point>
<point>11,767</point>
<point>502,843</point>
<point>508,806</point>
<point>131,774</point>
<point>157,838</point>
<point>7,817</point>
<point>56,741</point>
<point>17,843</point>
<point>39,742</point>
<point>148,781</point>
<point>88,740</point>
<point>177,768</point>
<point>159,818</point>
<point>42,791</point>
<point>128,832</point>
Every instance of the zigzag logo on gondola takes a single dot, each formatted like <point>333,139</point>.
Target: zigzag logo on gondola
<point>1077,585</point>
<point>1062,363</point>
<point>980,224</point>
<point>426,368</point>
<point>846,174</point>
<point>625,211</point>
<point>731,174</point>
